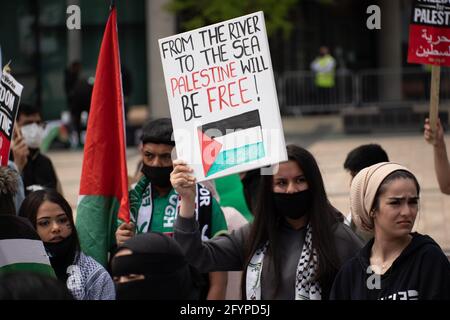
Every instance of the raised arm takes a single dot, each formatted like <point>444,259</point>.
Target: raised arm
<point>441,164</point>
<point>222,253</point>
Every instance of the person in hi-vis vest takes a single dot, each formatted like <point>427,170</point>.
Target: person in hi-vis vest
<point>324,68</point>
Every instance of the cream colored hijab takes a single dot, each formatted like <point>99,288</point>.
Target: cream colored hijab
<point>364,188</point>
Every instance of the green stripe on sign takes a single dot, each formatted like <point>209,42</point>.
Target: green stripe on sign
<point>96,216</point>
<point>44,269</point>
<point>233,157</point>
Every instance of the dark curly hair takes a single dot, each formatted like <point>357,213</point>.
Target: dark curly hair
<point>9,185</point>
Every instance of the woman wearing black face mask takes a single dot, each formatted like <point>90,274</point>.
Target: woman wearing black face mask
<point>294,247</point>
<point>152,266</point>
<point>52,217</point>
<point>154,203</point>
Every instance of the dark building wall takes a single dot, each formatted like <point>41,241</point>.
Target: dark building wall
<point>26,25</point>
<point>341,25</point>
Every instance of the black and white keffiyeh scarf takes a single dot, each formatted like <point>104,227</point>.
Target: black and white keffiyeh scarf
<point>306,287</point>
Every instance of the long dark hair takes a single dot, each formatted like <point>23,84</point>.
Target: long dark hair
<point>34,200</point>
<point>323,217</point>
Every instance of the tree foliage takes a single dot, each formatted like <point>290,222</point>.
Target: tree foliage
<point>204,12</point>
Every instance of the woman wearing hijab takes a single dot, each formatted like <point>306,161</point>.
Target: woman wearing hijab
<point>396,264</point>
<point>151,266</point>
<point>52,217</point>
<point>294,247</point>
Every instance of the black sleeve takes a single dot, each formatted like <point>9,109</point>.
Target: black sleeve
<point>224,252</point>
<point>347,242</point>
<point>341,285</point>
<point>47,174</point>
<point>434,281</point>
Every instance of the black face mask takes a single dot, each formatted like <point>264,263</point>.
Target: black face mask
<point>134,290</point>
<point>173,286</point>
<point>159,176</point>
<point>60,249</point>
<point>293,205</point>
<point>167,277</point>
<point>62,255</point>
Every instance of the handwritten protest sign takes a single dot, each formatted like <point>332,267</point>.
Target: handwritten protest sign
<point>429,33</point>
<point>429,43</point>
<point>222,97</point>
<point>10,92</point>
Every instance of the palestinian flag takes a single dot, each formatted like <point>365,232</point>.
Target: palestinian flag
<point>231,142</point>
<point>21,249</point>
<point>104,178</point>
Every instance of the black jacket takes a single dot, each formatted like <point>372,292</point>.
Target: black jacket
<point>421,272</point>
<point>38,171</point>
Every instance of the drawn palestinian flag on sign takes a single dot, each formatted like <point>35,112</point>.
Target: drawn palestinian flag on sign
<point>231,142</point>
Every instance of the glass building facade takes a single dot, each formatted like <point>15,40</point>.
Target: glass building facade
<point>34,36</point>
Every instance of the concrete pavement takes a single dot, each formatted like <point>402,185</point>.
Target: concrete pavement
<point>324,137</point>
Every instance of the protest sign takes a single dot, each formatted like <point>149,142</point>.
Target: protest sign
<point>10,92</point>
<point>222,97</point>
<point>429,33</point>
<point>429,43</point>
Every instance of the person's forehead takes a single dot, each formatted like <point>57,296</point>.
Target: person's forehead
<point>157,148</point>
<point>29,117</point>
<point>50,209</point>
<point>399,187</point>
<point>289,169</point>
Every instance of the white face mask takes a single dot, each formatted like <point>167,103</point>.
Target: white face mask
<point>33,135</point>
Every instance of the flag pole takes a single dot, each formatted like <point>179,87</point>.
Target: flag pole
<point>103,196</point>
<point>112,4</point>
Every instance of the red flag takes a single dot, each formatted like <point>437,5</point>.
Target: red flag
<point>104,178</point>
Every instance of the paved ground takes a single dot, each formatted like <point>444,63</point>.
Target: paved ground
<point>324,137</point>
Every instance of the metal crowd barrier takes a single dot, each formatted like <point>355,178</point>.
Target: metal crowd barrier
<point>298,93</point>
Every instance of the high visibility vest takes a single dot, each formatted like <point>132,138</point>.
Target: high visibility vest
<point>426,67</point>
<point>325,79</point>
